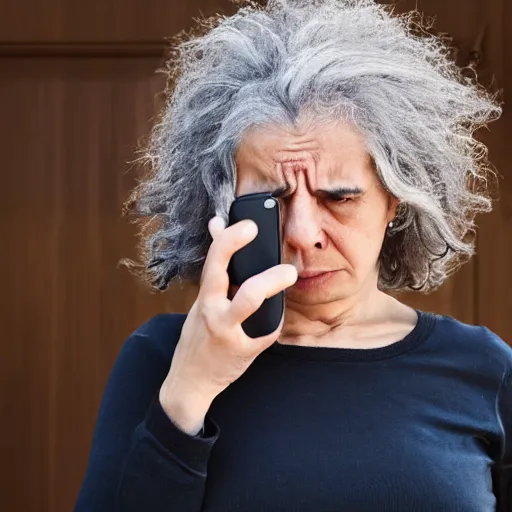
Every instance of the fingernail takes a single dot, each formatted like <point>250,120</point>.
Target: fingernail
<point>293,272</point>
<point>219,220</point>
<point>250,228</point>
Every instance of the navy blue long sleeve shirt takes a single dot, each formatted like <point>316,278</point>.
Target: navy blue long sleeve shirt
<point>421,425</point>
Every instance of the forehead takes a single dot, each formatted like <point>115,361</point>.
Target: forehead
<point>330,152</point>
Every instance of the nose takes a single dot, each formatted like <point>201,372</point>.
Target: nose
<point>302,228</point>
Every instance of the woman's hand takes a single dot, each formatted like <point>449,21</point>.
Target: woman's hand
<point>213,350</point>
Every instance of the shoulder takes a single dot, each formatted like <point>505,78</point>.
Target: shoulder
<point>476,341</point>
<point>161,327</point>
<point>155,338</point>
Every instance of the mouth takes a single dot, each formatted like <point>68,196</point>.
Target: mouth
<point>308,274</point>
<point>308,281</point>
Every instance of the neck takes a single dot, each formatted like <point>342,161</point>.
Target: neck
<point>321,320</point>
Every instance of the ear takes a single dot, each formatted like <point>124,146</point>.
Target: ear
<point>393,203</point>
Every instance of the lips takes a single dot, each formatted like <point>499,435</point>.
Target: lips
<point>311,273</point>
<point>316,280</point>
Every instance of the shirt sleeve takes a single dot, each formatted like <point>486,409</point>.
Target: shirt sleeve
<point>139,459</point>
<point>503,470</point>
<point>166,468</point>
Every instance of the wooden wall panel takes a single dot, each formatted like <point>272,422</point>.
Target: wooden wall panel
<point>495,244</point>
<point>102,21</point>
<point>69,129</point>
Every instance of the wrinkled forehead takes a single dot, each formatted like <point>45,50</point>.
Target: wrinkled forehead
<point>335,154</point>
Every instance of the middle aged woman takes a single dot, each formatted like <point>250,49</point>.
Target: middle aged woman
<point>364,131</point>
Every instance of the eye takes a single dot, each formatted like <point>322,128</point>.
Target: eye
<point>341,200</point>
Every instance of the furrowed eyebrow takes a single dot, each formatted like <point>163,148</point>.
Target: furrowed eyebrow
<point>339,192</point>
<point>333,193</point>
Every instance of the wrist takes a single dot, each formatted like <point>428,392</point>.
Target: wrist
<point>187,409</point>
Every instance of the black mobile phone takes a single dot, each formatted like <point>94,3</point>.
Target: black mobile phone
<point>257,256</point>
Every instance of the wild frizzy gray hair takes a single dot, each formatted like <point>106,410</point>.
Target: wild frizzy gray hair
<point>328,60</point>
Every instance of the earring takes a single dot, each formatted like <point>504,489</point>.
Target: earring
<point>391,224</point>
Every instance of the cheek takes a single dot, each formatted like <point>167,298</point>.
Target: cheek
<point>358,243</point>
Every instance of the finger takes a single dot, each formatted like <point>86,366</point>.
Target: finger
<point>233,238</point>
<point>216,226</point>
<point>256,289</point>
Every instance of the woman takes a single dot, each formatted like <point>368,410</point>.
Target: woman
<point>357,402</point>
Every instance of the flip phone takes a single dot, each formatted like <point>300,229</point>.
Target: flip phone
<point>259,255</point>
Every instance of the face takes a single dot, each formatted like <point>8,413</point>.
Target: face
<point>334,209</point>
